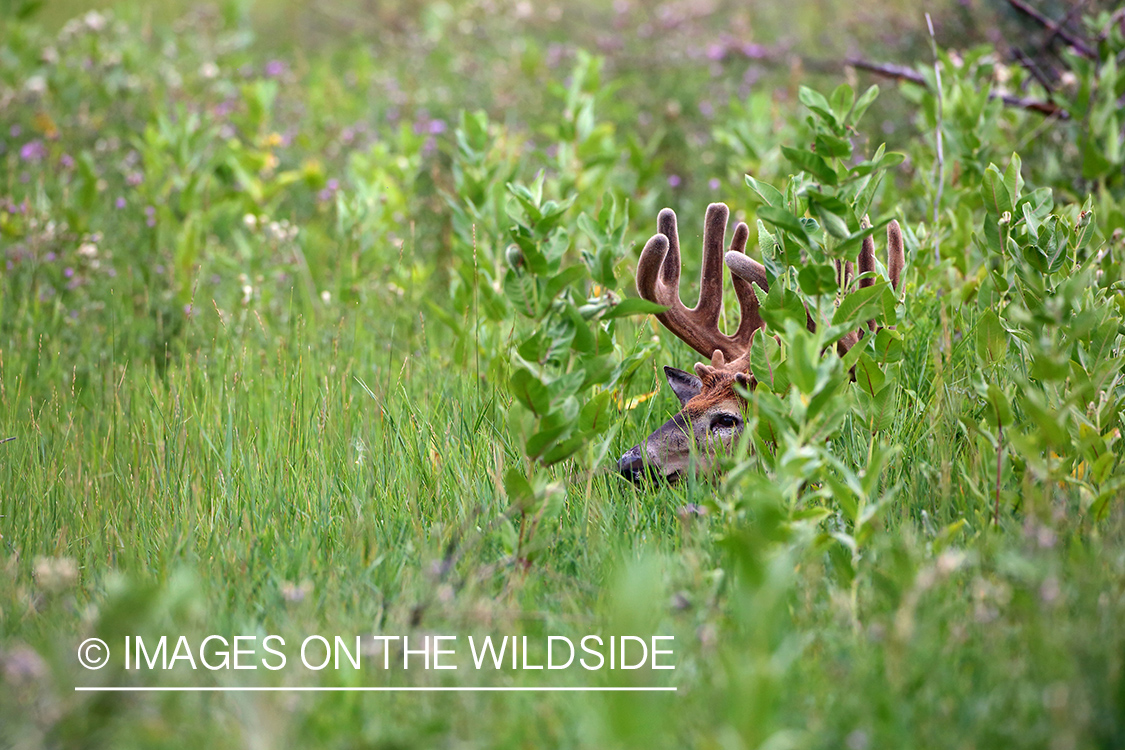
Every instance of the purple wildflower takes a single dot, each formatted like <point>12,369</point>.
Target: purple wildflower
<point>33,151</point>
<point>15,131</point>
<point>68,272</point>
<point>674,180</point>
<point>50,257</point>
<point>437,127</point>
<point>120,202</point>
<point>275,68</point>
<point>66,161</point>
<point>754,51</point>
<point>713,183</point>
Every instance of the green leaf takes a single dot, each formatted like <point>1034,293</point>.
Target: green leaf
<point>888,346</point>
<point>829,146</point>
<point>1053,245</point>
<point>991,339</point>
<point>597,414</point>
<point>881,413</point>
<point>766,363</point>
<point>520,494</point>
<point>853,241</point>
<point>842,100</point>
<point>1000,411</point>
<point>1083,230</point>
<point>562,280</point>
<point>633,306</point>
<point>781,305</point>
<point>530,390</point>
<point>868,376</point>
<point>865,100</point>
<point>836,225</point>
<point>782,219</point>
<point>860,306</point>
<point>561,451</point>
<point>817,278</point>
<point>994,193</point>
<point>1013,180</point>
<point>766,241</point>
<point>809,162</point>
<point>802,362</point>
<point>815,101</point>
<point>770,195</point>
<point>879,162</point>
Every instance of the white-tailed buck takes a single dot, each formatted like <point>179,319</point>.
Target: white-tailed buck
<point>713,411</point>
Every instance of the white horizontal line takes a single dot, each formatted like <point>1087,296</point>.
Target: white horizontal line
<point>316,689</point>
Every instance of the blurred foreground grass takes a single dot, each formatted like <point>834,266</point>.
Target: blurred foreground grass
<point>253,355</point>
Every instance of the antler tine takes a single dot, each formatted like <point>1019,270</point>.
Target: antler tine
<point>867,263</point>
<point>896,254</point>
<point>658,280</point>
<point>896,262</point>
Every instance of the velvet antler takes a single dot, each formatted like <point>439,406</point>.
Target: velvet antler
<point>658,280</point>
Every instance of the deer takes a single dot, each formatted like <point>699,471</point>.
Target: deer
<point>713,407</point>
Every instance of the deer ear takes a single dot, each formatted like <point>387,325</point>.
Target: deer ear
<point>685,385</point>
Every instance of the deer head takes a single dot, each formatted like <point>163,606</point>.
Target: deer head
<point>713,410</point>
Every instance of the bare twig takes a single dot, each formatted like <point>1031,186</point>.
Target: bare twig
<point>1055,29</point>
<point>1030,66</point>
<point>1070,16</point>
<point>1050,109</point>
<point>901,73</point>
<point>889,70</point>
<point>940,151</point>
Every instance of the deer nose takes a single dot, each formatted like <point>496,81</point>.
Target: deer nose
<point>632,465</point>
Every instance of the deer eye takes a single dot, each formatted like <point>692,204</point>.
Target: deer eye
<point>725,421</point>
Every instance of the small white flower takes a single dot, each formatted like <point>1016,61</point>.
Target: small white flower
<point>209,70</point>
<point>250,221</point>
<point>36,85</point>
<point>94,21</point>
<point>88,250</point>
<point>326,296</point>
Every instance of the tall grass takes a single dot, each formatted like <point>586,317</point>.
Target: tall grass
<point>242,432</point>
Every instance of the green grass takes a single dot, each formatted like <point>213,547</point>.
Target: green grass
<point>218,429</point>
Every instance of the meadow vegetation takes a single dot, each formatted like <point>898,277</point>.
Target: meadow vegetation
<point>338,335</point>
